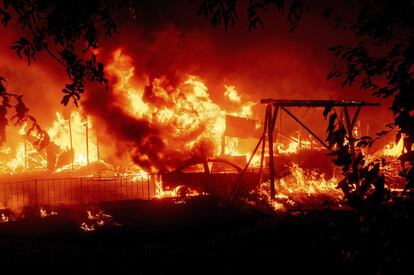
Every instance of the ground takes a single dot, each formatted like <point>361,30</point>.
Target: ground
<point>204,236</point>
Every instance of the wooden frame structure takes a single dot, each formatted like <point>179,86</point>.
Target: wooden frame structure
<point>272,108</point>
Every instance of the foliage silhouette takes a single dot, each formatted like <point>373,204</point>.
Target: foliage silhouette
<point>66,31</point>
<point>224,11</point>
<point>20,117</point>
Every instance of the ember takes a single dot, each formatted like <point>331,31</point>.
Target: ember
<point>5,218</point>
<point>43,213</point>
<point>96,220</point>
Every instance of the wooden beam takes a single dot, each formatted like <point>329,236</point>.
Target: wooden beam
<point>261,140</point>
<point>238,182</point>
<point>316,103</point>
<point>271,125</point>
<point>263,149</point>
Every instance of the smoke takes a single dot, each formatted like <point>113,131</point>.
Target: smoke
<point>138,137</point>
<point>158,125</point>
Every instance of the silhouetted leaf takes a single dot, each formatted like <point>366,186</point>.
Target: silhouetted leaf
<point>326,110</point>
<point>397,137</point>
<point>5,17</point>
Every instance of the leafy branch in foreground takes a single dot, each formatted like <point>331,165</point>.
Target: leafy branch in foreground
<point>21,116</point>
<point>225,11</point>
<point>363,184</point>
<point>382,61</point>
<point>67,31</point>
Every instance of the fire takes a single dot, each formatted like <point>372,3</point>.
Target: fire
<point>393,149</point>
<point>43,213</point>
<point>4,218</point>
<point>76,131</point>
<point>232,94</point>
<point>309,184</point>
<point>72,133</point>
<point>303,188</point>
<point>291,148</point>
<point>185,114</point>
<point>246,109</point>
<point>188,120</point>
<point>95,221</point>
<point>122,68</point>
<point>17,163</point>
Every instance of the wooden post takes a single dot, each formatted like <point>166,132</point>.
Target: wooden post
<point>25,155</point>
<point>148,186</point>
<point>238,182</point>
<point>97,144</point>
<point>263,148</point>
<point>223,145</point>
<point>36,199</point>
<point>71,142</point>
<point>81,191</point>
<point>270,126</point>
<point>311,141</point>
<point>87,141</point>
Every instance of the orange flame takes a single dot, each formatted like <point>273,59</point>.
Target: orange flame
<point>393,149</point>
<point>304,188</point>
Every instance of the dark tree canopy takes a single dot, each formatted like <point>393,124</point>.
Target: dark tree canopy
<point>66,31</point>
<point>225,11</point>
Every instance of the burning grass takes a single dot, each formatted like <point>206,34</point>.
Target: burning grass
<point>300,189</point>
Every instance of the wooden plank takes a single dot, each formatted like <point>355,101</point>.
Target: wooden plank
<point>316,103</point>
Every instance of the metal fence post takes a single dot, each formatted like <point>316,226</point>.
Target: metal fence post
<point>148,186</point>
<point>36,201</point>
<point>81,191</point>
<point>4,195</point>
